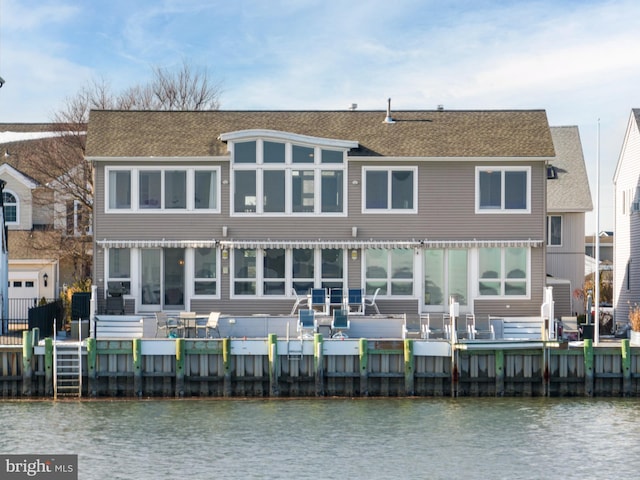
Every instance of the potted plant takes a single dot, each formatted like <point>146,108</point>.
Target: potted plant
<point>634,323</point>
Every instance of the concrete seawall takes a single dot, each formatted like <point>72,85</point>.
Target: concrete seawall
<point>274,367</point>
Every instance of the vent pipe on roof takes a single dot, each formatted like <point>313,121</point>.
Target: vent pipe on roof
<point>388,118</point>
<point>353,107</point>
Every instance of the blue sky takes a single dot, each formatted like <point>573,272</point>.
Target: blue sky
<point>574,58</point>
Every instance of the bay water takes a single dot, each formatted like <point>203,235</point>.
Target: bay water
<point>374,438</point>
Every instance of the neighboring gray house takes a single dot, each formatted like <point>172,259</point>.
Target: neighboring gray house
<point>568,199</point>
<point>234,210</point>
<point>626,185</point>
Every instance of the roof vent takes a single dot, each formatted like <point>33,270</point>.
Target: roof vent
<point>388,118</point>
<point>441,108</point>
<point>353,107</point>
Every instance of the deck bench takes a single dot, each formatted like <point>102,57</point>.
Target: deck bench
<point>517,328</point>
<point>123,327</point>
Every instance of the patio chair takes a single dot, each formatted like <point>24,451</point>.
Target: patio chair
<point>336,298</point>
<point>187,320</point>
<point>371,301</point>
<point>307,325</point>
<point>355,301</point>
<point>339,323</point>
<point>411,329</point>
<point>166,326</point>
<point>319,300</point>
<point>300,301</point>
<point>210,325</point>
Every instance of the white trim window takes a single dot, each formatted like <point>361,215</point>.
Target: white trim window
<point>390,270</point>
<point>119,268</point>
<point>390,190</point>
<point>205,281</point>
<point>503,189</point>
<point>11,208</point>
<point>504,272</point>
<point>273,272</point>
<point>166,189</point>
<point>281,178</point>
<point>554,230</point>
<point>446,274</point>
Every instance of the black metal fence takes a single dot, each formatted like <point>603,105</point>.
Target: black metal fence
<point>20,318</point>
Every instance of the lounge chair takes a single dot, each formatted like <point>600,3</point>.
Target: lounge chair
<point>411,329</point>
<point>371,301</point>
<point>319,300</point>
<point>307,325</point>
<point>300,301</point>
<point>336,298</point>
<point>339,323</point>
<point>355,301</point>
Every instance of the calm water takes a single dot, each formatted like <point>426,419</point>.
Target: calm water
<point>333,439</point>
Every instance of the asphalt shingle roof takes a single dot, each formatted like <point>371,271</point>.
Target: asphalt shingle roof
<point>570,191</point>
<point>500,133</point>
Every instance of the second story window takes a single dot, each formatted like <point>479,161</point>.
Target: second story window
<point>503,189</point>
<point>10,208</point>
<point>390,190</point>
<point>168,189</point>
<point>272,178</point>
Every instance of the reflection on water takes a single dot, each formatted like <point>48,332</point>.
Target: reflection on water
<point>333,438</point>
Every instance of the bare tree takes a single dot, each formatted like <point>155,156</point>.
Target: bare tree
<point>61,160</point>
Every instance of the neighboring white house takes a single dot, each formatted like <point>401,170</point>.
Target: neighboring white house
<point>626,183</point>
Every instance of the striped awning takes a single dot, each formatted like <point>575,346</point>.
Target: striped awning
<point>481,243</point>
<point>162,243</point>
<point>337,244</point>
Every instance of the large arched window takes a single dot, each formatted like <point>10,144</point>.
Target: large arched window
<point>10,208</point>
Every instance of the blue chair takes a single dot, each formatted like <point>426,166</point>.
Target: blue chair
<point>307,324</point>
<point>319,300</point>
<point>355,301</point>
<point>336,298</point>
<point>340,323</point>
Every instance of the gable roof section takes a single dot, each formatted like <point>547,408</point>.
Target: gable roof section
<point>570,191</point>
<point>513,133</point>
<point>633,124</point>
<point>26,180</point>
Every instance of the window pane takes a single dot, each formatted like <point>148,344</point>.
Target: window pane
<point>332,156</point>
<point>10,208</point>
<point>274,271</point>
<point>376,263</point>
<point>205,262</point>
<point>376,189</point>
<point>302,190</point>
<point>119,263</point>
<point>402,268</point>
<point>150,189</point>
<point>433,277</point>
<point>244,271</point>
<point>119,189</point>
<point>458,275</point>
<point>245,196</point>
<point>274,191</point>
<point>302,154</point>
<point>515,188</point>
<point>273,152</point>
<point>516,262</point>
<point>303,270</point>
<point>490,189</point>
<point>490,268</point>
<point>244,152</point>
<point>332,263</point>
<point>402,190</point>
<point>332,191</point>
<point>554,233</point>
<point>206,195</point>
<point>175,189</point>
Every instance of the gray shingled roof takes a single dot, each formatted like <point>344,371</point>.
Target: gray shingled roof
<point>570,191</point>
<point>515,133</point>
